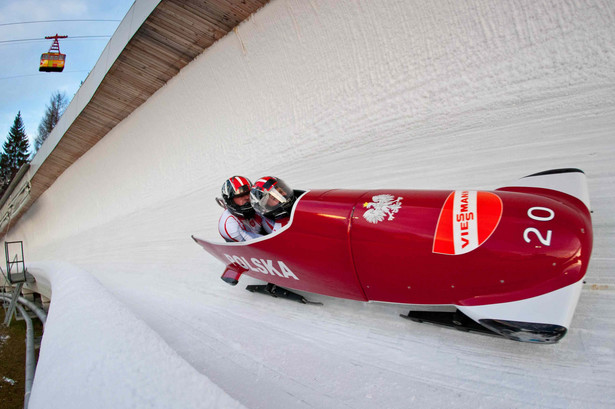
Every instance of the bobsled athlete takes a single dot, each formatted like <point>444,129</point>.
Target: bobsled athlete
<point>273,200</point>
<point>239,222</point>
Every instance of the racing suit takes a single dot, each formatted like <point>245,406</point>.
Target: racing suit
<point>234,228</point>
<point>271,226</point>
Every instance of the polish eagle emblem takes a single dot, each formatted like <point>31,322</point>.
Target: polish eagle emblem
<point>381,207</point>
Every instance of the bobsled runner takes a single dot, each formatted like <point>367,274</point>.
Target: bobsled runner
<point>510,261</point>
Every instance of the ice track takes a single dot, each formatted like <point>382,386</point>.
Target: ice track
<point>338,94</point>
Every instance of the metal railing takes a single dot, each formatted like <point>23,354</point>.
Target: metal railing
<point>16,301</point>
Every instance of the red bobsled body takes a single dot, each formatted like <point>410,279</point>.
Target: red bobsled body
<point>497,255</point>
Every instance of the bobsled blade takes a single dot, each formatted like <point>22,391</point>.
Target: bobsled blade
<point>527,331</point>
<point>279,292</point>
<point>451,319</point>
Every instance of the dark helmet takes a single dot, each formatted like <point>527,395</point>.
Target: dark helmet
<point>234,187</point>
<point>272,198</point>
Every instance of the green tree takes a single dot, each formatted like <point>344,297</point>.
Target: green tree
<point>55,109</point>
<point>5,172</point>
<point>16,151</point>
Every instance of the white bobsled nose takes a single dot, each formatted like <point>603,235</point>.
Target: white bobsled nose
<point>544,318</point>
<point>570,181</point>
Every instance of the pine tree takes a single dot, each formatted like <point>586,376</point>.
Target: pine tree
<point>5,172</point>
<point>15,152</point>
<point>55,109</point>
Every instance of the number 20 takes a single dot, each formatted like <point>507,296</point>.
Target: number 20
<point>545,240</point>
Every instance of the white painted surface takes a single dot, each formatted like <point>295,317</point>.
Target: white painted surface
<point>572,183</point>
<point>555,308</point>
<point>349,94</point>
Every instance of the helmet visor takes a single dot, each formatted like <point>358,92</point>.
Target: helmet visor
<point>270,198</point>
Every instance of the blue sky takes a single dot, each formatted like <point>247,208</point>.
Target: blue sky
<point>22,87</point>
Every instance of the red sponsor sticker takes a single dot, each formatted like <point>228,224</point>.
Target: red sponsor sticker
<point>467,220</point>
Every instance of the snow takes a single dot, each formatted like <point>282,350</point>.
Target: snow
<point>400,94</point>
<point>113,351</point>
<point>9,380</point>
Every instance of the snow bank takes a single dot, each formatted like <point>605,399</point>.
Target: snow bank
<point>97,354</point>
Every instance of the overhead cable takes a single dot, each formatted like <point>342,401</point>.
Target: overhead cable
<point>55,21</point>
<point>42,39</point>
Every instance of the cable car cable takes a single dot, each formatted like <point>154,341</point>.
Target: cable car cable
<point>39,74</point>
<point>39,39</point>
<point>55,21</point>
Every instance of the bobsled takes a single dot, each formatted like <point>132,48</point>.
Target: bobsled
<point>511,261</point>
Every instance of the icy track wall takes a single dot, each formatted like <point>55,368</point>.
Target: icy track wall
<point>346,94</point>
<point>341,94</point>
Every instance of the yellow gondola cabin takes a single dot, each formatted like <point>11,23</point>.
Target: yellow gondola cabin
<point>53,61</point>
